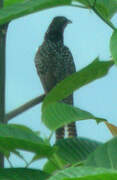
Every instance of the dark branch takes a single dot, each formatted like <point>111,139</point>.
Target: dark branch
<point>3,29</point>
<point>24,107</point>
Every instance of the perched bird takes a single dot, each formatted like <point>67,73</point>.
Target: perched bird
<point>54,62</point>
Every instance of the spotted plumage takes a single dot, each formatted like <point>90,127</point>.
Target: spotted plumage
<point>54,62</point>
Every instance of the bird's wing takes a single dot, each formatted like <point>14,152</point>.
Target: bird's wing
<point>66,68</point>
<point>43,66</point>
<point>64,64</point>
<point>53,66</point>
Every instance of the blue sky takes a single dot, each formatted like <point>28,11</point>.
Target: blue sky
<point>87,37</point>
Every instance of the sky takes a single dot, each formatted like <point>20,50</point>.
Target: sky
<point>87,37</point>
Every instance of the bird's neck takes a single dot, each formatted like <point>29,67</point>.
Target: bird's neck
<point>54,36</point>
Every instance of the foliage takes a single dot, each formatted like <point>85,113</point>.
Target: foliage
<point>22,173</point>
<point>113,42</point>
<point>74,158</point>
<point>93,71</point>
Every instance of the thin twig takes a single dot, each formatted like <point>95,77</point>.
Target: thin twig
<point>10,163</point>
<point>24,107</point>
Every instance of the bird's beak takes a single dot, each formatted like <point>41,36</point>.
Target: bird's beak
<point>69,21</point>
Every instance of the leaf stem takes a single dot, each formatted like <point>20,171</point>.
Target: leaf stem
<point>56,161</point>
<point>10,163</point>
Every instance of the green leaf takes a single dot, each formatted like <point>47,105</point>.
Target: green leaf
<point>85,173</point>
<point>56,115</point>
<point>104,156</point>
<point>72,151</point>
<point>110,7</point>
<point>50,167</point>
<point>26,7</point>
<point>5,152</point>
<point>13,137</point>
<point>107,8</point>
<point>9,2</point>
<point>113,46</point>
<point>84,2</point>
<point>93,71</point>
<point>22,174</point>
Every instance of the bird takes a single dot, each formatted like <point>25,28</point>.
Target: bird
<point>54,62</point>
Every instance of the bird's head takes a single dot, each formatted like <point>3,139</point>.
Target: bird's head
<point>56,28</point>
<point>60,22</point>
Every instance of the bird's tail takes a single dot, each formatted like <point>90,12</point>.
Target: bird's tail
<point>72,132</point>
<point>71,128</point>
<point>60,132</point>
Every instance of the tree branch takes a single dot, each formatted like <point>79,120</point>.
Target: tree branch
<point>24,107</point>
<point>3,29</point>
